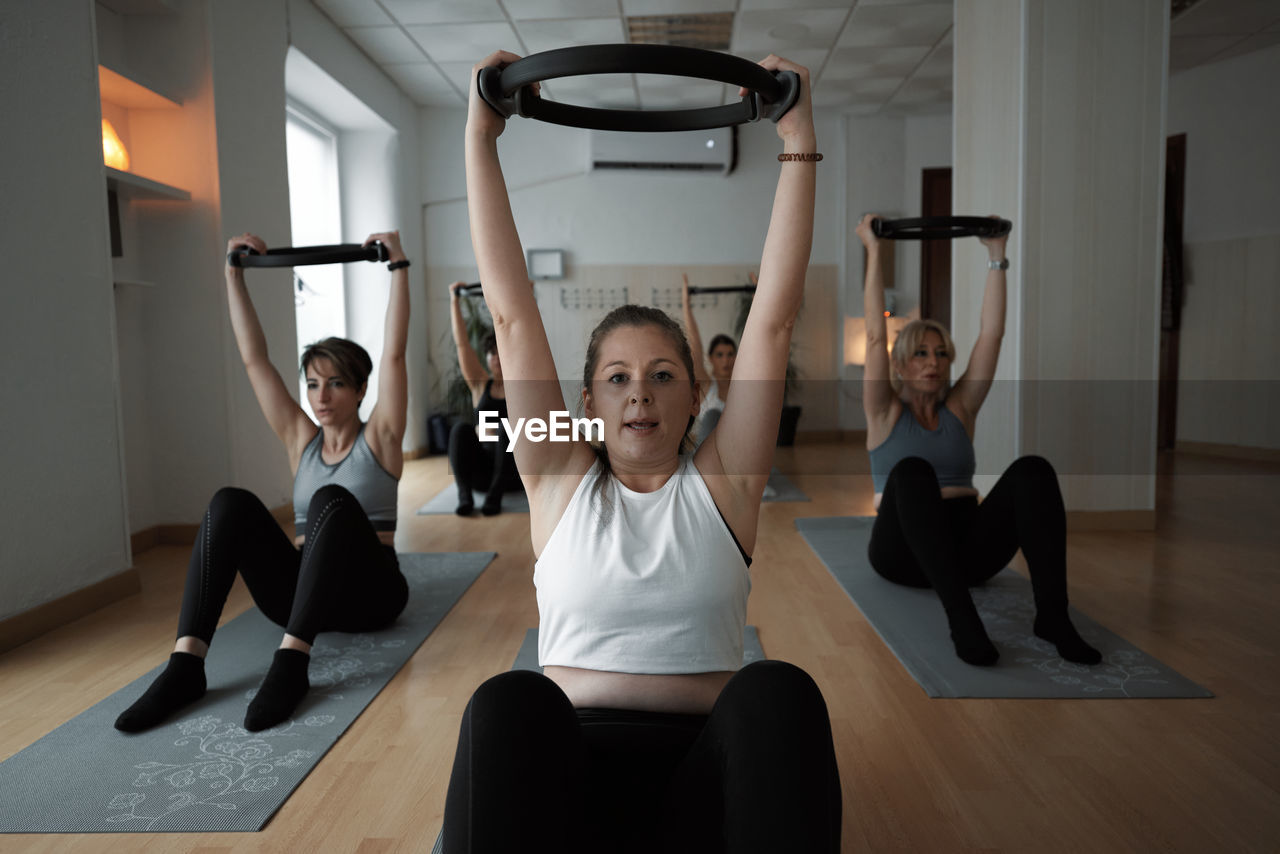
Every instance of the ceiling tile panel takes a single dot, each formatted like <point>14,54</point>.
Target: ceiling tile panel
<point>1189,51</point>
<point>811,58</point>
<point>467,43</point>
<point>385,44</point>
<point>789,5</point>
<point>602,90</point>
<point>1258,41</point>
<point>423,84</point>
<point>549,35</point>
<point>459,73</point>
<point>852,63</point>
<point>354,13</point>
<point>444,11</point>
<point>523,10</point>
<point>1227,18</point>
<point>655,94</point>
<point>897,25</point>
<point>676,7</point>
<point>766,32</point>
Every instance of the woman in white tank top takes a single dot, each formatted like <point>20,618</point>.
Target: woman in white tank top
<point>645,729</point>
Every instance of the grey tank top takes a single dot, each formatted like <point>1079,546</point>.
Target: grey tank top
<point>948,449</point>
<point>359,471</point>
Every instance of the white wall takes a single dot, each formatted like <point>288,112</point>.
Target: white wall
<point>1230,112</point>
<point>615,225</point>
<point>62,513</point>
<point>617,217</point>
<point>1229,352</point>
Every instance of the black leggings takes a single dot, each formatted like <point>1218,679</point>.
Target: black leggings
<point>481,466</point>
<point>756,775</point>
<point>342,579</point>
<point>922,540</point>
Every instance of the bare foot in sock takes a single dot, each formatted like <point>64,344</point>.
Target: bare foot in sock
<point>281,690</point>
<point>970,639</point>
<point>179,684</point>
<point>1060,632</point>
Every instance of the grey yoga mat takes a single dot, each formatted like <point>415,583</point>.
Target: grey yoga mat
<point>782,489</point>
<point>911,622</point>
<point>202,772</point>
<point>527,659</point>
<point>447,499</point>
<point>517,502</point>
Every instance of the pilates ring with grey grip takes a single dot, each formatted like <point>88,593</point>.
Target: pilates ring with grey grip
<point>939,227</point>
<point>509,90</point>
<point>730,289</point>
<point>302,256</point>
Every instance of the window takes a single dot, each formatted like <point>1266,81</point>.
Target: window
<point>315,219</point>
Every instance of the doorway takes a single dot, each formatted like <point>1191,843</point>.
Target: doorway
<point>1171,284</point>
<point>935,255</point>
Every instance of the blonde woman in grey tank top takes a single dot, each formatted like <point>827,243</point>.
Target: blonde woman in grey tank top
<point>339,573</point>
<point>930,530</point>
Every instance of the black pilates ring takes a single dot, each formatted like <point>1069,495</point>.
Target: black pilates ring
<point>472,290</point>
<point>728,289</point>
<point>302,256</point>
<point>939,227</point>
<point>509,91</point>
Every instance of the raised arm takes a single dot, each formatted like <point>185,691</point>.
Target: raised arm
<point>744,439</point>
<point>529,372</point>
<point>971,389</point>
<point>877,394</point>
<point>287,419</point>
<point>473,372</point>
<point>387,420</point>
<point>695,341</point>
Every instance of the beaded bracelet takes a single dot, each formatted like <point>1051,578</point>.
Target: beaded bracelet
<point>813,157</point>
<point>398,265</point>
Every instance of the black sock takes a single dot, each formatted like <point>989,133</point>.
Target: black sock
<point>969,637</point>
<point>179,684</point>
<point>281,690</point>
<point>466,504</point>
<point>1059,631</point>
<point>492,503</point>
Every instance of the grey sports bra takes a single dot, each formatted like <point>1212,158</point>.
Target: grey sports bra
<point>948,449</point>
<point>359,471</point>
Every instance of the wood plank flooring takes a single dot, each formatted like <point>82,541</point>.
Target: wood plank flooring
<point>1200,593</point>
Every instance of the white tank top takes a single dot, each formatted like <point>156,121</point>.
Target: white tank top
<point>661,588</point>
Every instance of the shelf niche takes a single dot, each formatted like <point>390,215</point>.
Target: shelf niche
<point>119,95</point>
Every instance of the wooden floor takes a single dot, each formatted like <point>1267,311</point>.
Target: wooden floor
<point>1201,593</point>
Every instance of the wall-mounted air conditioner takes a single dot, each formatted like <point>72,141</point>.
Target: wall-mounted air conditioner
<point>711,151</point>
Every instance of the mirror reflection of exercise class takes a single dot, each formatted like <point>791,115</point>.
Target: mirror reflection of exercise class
<point>640,425</point>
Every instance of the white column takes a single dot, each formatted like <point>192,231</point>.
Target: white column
<point>1059,126</point>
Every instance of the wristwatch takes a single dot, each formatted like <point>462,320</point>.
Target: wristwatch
<point>1002,264</point>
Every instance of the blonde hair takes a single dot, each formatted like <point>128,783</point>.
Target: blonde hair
<point>907,342</point>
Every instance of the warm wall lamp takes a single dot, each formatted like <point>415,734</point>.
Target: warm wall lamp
<point>113,150</point>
